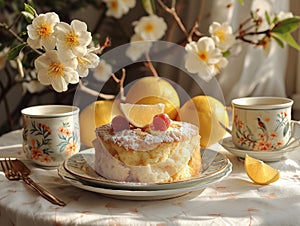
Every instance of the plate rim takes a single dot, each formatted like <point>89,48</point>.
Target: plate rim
<point>139,186</point>
<point>140,193</point>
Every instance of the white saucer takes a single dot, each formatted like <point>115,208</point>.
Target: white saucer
<point>268,156</point>
<point>141,194</point>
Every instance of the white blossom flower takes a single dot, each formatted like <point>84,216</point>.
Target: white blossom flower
<point>41,31</point>
<point>220,65</point>
<point>117,8</point>
<point>222,35</point>
<point>103,71</point>
<point>203,57</point>
<point>52,71</point>
<point>151,27</point>
<point>137,47</point>
<point>72,40</point>
<point>90,60</point>
<point>129,3</point>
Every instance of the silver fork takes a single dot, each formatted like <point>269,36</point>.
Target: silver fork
<point>13,174</point>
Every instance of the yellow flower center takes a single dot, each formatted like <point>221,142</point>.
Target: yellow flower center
<point>83,61</point>
<point>203,56</point>
<point>220,34</point>
<point>149,27</point>
<point>44,30</point>
<point>114,5</point>
<point>56,69</point>
<point>72,39</point>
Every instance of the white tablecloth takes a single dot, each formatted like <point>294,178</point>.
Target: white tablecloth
<point>233,201</point>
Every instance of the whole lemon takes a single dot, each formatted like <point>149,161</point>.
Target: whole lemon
<point>154,90</point>
<point>96,114</point>
<point>206,112</point>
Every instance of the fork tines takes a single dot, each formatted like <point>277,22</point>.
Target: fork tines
<point>8,170</point>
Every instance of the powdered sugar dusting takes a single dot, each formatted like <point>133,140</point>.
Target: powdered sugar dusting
<point>148,138</point>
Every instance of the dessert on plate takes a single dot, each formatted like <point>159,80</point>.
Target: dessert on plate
<point>163,150</point>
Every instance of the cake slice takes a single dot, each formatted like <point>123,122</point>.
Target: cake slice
<point>147,155</point>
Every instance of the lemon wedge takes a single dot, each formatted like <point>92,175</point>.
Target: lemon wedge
<point>259,172</point>
<point>141,115</point>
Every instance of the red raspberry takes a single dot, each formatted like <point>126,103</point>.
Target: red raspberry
<point>161,122</point>
<point>119,123</point>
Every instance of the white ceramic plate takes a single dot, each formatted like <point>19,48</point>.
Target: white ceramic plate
<point>81,166</point>
<point>142,194</point>
<point>268,156</point>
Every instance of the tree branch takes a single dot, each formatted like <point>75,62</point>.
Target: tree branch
<point>173,12</point>
<point>92,92</point>
<point>150,65</point>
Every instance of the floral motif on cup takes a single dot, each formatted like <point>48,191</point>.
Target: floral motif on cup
<point>68,139</point>
<point>40,146</point>
<point>266,140</point>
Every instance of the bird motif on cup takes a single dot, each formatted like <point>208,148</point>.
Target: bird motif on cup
<point>263,127</point>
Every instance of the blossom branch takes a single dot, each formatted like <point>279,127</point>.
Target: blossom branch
<point>194,31</point>
<point>150,65</point>
<point>243,24</point>
<point>94,93</point>
<point>173,12</point>
<point>243,35</point>
<point>11,31</point>
<point>107,43</point>
<point>248,31</point>
<point>121,83</point>
<point>18,38</point>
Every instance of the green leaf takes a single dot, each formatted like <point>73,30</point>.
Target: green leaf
<point>30,9</point>
<point>226,53</point>
<point>279,41</point>
<point>268,17</point>
<point>275,20</point>
<point>288,38</point>
<point>287,25</point>
<point>15,51</point>
<point>149,6</point>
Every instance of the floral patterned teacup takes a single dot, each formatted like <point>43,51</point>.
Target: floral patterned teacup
<point>50,133</point>
<point>261,123</point>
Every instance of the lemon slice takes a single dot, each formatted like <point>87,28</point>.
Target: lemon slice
<point>141,115</point>
<point>259,172</point>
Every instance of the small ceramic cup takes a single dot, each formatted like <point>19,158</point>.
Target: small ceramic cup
<point>261,123</point>
<point>50,133</point>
